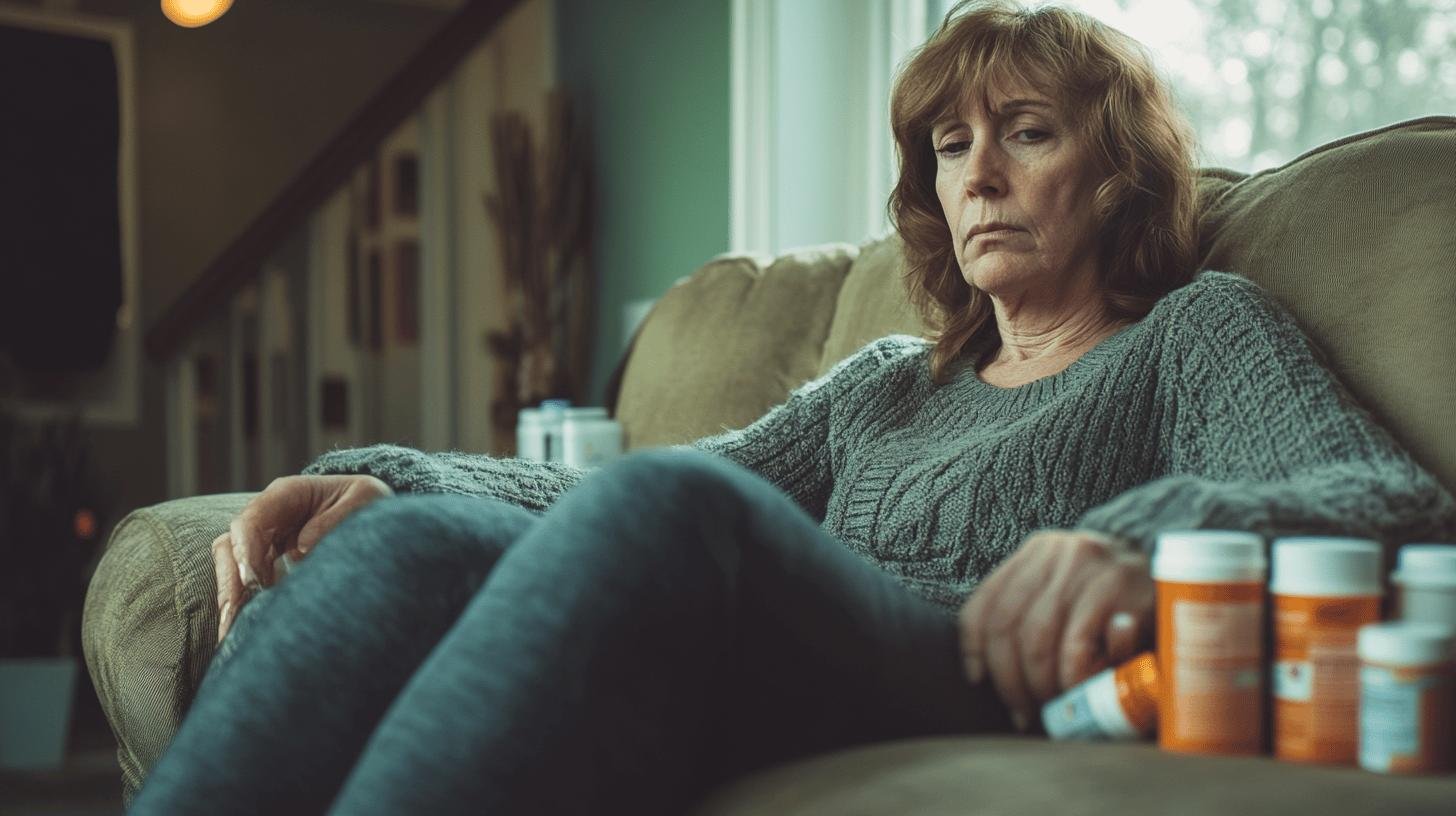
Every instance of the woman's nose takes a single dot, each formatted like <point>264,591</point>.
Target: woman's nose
<point>984,174</point>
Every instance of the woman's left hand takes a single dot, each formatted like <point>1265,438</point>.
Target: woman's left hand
<point>1064,606</point>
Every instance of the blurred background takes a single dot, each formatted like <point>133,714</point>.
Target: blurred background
<point>237,233</point>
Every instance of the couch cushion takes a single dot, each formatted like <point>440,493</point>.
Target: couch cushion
<point>1015,776</point>
<point>725,345</point>
<point>872,303</point>
<point>1356,239</point>
<point>150,622</point>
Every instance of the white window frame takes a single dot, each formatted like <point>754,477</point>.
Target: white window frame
<point>759,220</point>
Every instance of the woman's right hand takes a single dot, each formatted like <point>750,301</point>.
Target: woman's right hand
<point>286,518</point>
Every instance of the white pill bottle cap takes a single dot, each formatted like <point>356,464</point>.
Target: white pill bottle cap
<point>1326,566</point>
<point>1209,556</point>
<point>1407,643</point>
<point>1426,566</point>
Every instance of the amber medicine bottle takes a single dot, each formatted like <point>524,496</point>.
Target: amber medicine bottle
<point>1210,596</point>
<point>1115,704</point>
<point>1322,590</point>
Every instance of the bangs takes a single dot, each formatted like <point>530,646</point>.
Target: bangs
<point>953,74</point>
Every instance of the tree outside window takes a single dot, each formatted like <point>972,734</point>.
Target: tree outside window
<point>1266,80</point>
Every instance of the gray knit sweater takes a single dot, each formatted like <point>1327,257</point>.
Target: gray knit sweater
<point>1211,412</point>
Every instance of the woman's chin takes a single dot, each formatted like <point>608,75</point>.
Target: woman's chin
<point>993,274</point>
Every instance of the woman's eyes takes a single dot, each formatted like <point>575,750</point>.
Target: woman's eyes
<point>962,145</point>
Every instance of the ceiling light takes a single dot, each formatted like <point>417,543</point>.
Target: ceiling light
<point>195,13</point>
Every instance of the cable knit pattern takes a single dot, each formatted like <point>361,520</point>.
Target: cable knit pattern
<point>1211,412</point>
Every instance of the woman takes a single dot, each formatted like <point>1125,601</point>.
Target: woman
<point>522,637</point>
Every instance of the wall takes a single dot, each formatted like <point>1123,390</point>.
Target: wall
<point>511,71</point>
<point>227,115</point>
<point>654,79</point>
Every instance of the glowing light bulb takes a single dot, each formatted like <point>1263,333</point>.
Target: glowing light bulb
<point>195,13</point>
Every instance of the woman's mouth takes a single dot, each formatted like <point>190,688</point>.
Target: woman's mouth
<point>992,235</point>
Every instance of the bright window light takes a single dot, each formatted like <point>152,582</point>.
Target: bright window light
<point>1266,80</point>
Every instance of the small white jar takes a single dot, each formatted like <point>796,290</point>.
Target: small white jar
<point>1425,575</point>
<point>1407,698</point>
<point>589,438</point>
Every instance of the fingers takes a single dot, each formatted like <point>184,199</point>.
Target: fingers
<point>1004,646</point>
<point>1082,646</point>
<point>266,527</point>
<point>977,611</point>
<point>335,498</point>
<point>230,593</point>
<point>996,621</point>
<point>1039,623</point>
<point>1003,663</point>
<point>1122,637</point>
<point>326,518</point>
<point>1110,620</point>
<point>1076,560</point>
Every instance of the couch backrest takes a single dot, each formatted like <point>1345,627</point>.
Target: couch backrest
<point>1356,238</point>
<point>721,347</point>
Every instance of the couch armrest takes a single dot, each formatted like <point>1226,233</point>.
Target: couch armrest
<point>150,623</point>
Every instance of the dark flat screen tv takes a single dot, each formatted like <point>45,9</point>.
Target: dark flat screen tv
<point>60,222</point>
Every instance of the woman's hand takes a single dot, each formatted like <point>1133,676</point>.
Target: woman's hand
<point>1064,606</point>
<point>286,518</point>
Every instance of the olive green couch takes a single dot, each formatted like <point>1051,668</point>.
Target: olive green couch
<point>1357,238</point>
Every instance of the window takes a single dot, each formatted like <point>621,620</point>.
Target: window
<point>812,160</point>
<point>1262,81</point>
<point>1265,80</point>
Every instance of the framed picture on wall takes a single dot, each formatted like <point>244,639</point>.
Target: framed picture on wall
<point>373,197</point>
<point>334,403</point>
<point>353,296</point>
<point>375,323</point>
<point>407,291</point>
<point>406,185</point>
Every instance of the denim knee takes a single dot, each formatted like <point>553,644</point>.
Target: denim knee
<point>417,540</point>
<point>655,502</point>
<point>413,539</point>
<point>677,474</point>
<point>407,528</point>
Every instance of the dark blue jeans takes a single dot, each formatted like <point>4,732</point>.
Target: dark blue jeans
<point>671,622</point>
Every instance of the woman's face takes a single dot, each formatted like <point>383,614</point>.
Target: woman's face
<point>1016,186</point>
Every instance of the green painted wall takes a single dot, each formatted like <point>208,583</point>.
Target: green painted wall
<point>653,78</point>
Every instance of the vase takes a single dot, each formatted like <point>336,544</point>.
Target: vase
<point>35,711</point>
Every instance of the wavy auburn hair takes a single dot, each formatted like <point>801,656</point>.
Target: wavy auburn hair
<point>1124,114</point>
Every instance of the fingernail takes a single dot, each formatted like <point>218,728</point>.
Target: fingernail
<point>1018,719</point>
<point>247,576</point>
<point>975,669</point>
<point>224,619</point>
<point>1123,620</point>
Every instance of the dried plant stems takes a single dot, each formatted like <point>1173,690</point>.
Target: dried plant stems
<point>543,223</point>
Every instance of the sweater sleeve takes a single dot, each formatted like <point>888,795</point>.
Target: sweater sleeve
<point>522,482</point>
<point>1262,437</point>
<point>788,446</point>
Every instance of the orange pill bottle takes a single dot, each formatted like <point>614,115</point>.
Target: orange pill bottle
<point>1322,590</point>
<point>1210,595</point>
<point>1115,704</point>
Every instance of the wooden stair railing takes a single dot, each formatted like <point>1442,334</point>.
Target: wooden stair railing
<point>395,101</point>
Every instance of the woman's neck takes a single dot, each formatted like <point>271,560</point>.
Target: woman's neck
<point>1033,339</point>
